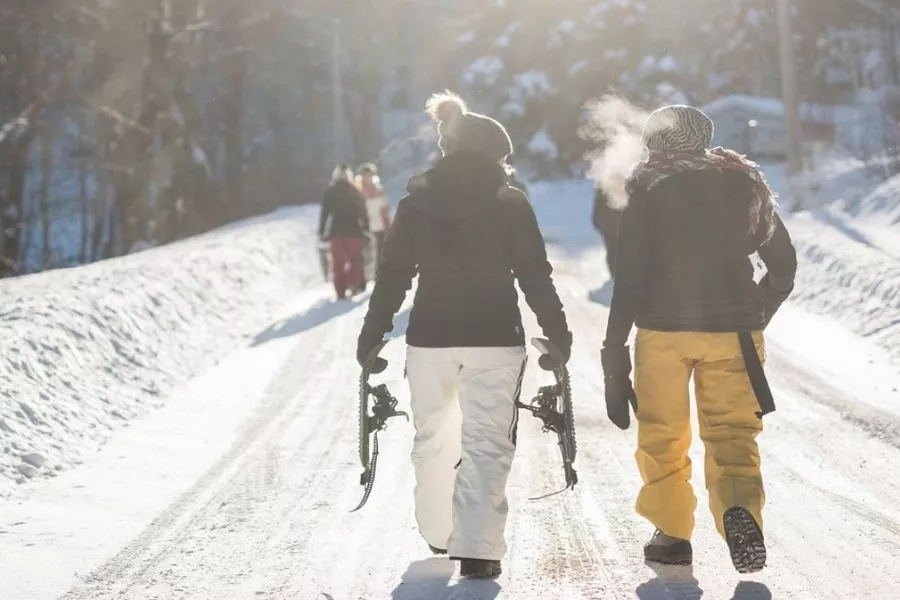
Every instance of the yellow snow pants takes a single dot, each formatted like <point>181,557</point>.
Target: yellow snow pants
<point>726,406</point>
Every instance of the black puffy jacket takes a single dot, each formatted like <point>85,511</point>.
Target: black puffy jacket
<point>469,237</point>
<point>343,212</point>
<point>683,259</point>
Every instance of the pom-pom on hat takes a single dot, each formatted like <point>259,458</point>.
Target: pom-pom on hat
<point>461,129</point>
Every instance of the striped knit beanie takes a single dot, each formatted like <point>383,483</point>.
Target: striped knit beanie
<point>677,128</point>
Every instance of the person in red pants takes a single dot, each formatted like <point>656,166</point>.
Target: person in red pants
<point>346,221</point>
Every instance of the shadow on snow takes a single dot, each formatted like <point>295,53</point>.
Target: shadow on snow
<point>679,583</point>
<point>317,315</point>
<point>429,579</point>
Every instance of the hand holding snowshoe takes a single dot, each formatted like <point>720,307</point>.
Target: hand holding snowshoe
<point>619,390</point>
<point>547,362</point>
<point>364,345</point>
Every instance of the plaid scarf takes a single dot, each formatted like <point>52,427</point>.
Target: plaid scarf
<point>651,171</point>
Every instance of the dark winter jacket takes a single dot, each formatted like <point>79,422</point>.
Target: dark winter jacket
<point>343,212</point>
<point>683,259</point>
<point>469,237</point>
<point>604,217</point>
<point>606,220</point>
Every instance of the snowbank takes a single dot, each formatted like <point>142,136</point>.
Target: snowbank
<point>847,278</point>
<point>88,349</point>
<point>848,253</point>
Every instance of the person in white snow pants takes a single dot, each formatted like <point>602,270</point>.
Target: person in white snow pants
<point>465,416</point>
<point>379,211</point>
<point>469,237</point>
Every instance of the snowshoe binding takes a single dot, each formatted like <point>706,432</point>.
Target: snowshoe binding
<point>553,406</point>
<point>668,550</point>
<point>383,408</point>
<point>477,568</point>
<point>745,540</point>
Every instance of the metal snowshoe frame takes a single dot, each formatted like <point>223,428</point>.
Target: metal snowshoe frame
<point>553,406</point>
<point>383,408</point>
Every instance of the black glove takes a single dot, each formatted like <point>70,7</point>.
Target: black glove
<point>564,343</point>
<point>772,298</point>
<point>617,380</point>
<point>364,345</point>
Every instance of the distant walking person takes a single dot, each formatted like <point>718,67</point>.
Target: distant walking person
<point>469,237</point>
<point>344,222</point>
<point>684,277</point>
<point>379,211</point>
<point>606,219</point>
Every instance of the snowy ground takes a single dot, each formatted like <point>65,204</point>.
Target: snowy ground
<point>240,485</point>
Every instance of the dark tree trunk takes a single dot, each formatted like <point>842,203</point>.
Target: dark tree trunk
<point>132,185</point>
<point>236,68</point>
<point>46,177</point>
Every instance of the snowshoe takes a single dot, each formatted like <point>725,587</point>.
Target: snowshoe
<point>745,540</point>
<point>383,408</point>
<point>477,568</point>
<point>436,550</point>
<point>323,250</point>
<point>553,406</point>
<point>668,550</point>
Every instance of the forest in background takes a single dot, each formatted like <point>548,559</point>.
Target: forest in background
<point>146,121</point>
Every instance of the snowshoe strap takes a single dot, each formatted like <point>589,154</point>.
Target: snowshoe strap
<point>758,380</point>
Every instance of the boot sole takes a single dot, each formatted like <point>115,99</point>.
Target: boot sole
<point>745,541</point>
<point>494,573</point>
<point>678,560</point>
<point>478,572</point>
<point>681,561</point>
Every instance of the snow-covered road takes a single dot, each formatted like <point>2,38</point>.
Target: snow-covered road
<point>241,488</point>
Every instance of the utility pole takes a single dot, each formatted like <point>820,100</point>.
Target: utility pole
<point>337,93</point>
<point>789,86</point>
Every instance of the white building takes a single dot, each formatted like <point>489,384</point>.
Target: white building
<point>756,125</point>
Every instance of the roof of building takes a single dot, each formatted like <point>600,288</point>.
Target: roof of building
<point>822,114</point>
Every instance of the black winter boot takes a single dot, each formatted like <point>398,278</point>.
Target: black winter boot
<point>745,540</point>
<point>478,568</point>
<point>436,550</point>
<point>668,550</point>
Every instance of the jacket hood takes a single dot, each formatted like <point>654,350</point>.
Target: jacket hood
<point>343,185</point>
<point>458,186</point>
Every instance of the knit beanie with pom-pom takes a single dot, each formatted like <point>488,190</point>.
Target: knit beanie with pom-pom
<point>461,129</point>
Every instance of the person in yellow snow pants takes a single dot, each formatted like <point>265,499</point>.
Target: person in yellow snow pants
<point>683,275</point>
<point>726,409</point>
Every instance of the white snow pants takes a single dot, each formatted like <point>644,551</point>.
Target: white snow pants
<point>463,405</point>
